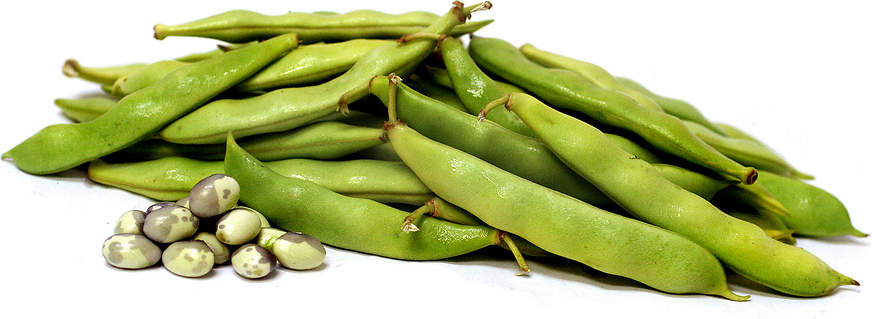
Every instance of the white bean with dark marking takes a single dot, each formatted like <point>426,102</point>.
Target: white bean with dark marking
<point>299,251</point>
<point>157,206</point>
<point>130,251</point>
<point>190,258</point>
<point>221,252</point>
<point>252,261</point>
<point>213,195</point>
<point>170,224</point>
<point>268,236</point>
<point>263,221</point>
<point>130,222</point>
<point>238,226</point>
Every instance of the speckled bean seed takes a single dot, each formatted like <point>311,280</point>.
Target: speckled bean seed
<point>190,258</point>
<point>263,221</point>
<point>268,236</point>
<point>170,224</point>
<point>130,251</point>
<point>299,251</point>
<point>252,261</point>
<point>238,226</point>
<point>213,195</point>
<point>221,252</point>
<point>157,206</point>
<point>183,203</point>
<point>130,222</point>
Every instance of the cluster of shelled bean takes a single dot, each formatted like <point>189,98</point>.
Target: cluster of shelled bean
<point>192,251</point>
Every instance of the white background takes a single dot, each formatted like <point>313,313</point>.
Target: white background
<point>796,74</point>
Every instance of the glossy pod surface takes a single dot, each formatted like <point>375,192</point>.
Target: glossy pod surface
<point>568,90</point>
<point>240,26</point>
<point>351,223</point>
<point>284,109</point>
<point>742,246</point>
<point>136,117</point>
<point>560,224</point>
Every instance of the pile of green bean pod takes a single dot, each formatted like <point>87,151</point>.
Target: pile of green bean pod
<point>387,134</point>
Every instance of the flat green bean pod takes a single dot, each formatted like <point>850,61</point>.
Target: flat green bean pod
<point>171,178</point>
<point>143,77</point>
<point>675,107</point>
<point>769,223</point>
<point>638,188</point>
<point>747,152</point>
<point>363,225</point>
<point>474,88</point>
<point>568,90</point>
<point>756,196</point>
<point>287,108</point>
<point>736,133</point>
<point>310,64</point>
<point>136,117</point>
<point>813,211</point>
<point>238,26</point>
<point>85,109</point>
<point>558,223</point>
<point>589,71</point>
<point>318,140</point>
<point>100,75</point>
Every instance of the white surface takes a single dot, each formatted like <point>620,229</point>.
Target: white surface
<point>796,75</point>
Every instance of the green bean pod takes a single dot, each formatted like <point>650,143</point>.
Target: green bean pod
<point>171,178</point>
<point>143,77</point>
<point>287,108</point>
<point>756,196</point>
<point>437,92</point>
<point>769,223</point>
<point>99,75</point>
<point>813,211</point>
<point>85,109</point>
<point>746,152</point>
<point>518,154</point>
<point>239,26</point>
<point>589,71</point>
<point>346,222</point>
<point>638,188</point>
<point>310,64</point>
<point>139,115</point>
<point>474,88</point>
<point>674,107</point>
<point>318,140</point>
<point>736,133</point>
<point>568,90</point>
<point>558,223</point>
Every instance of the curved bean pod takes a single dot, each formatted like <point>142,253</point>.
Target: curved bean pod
<point>813,211</point>
<point>589,71</point>
<point>518,154</point>
<point>137,116</point>
<point>351,223</point>
<point>100,75</point>
<point>675,107</point>
<point>319,140</point>
<point>742,246</point>
<point>769,223</point>
<point>287,108</point>
<point>171,178</point>
<point>143,77</point>
<point>568,90</point>
<point>86,109</point>
<point>474,88</point>
<point>558,223</point>
<point>736,133</point>
<point>310,64</point>
<point>747,152</point>
<point>239,26</point>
